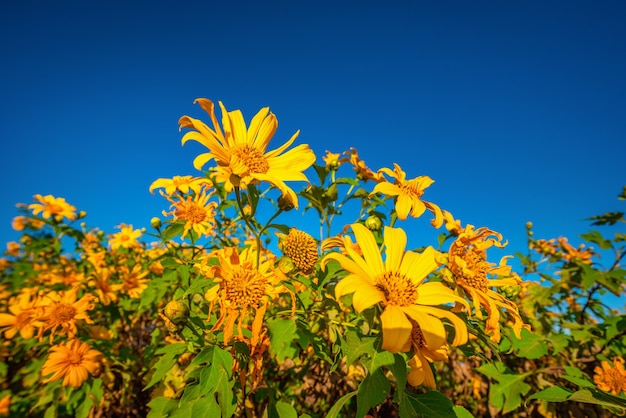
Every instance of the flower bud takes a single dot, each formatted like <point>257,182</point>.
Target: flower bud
<point>82,214</point>
<point>177,311</point>
<point>155,222</point>
<point>373,223</point>
<point>529,225</point>
<point>285,203</point>
<point>247,211</point>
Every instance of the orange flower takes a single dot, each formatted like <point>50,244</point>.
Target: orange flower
<point>72,362</point>
<point>21,317</point>
<point>611,379</point>
<point>196,211</point>
<point>182,184</point>
<point>363,171</point>
<point>62,310</point>
<point>106,291</point>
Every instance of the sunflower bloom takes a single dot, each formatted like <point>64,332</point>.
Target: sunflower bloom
<point>611,379</point>
<point>408,195</point>
<point>196,211</point>
<point>182,184</point>
<point>106,291</point>
<point>134,280</point>
<point>240,288</point>
<point>332,160</point>
<point>126,238</point>
<point>53,207</point>
<point>241,154</point>
<point>61,311</point>
<point>72,362</point>
<point>398,285</point>
<point>301,248</point>
<point>21,317</point>
<point>467,261</point>
<point>363,172</point>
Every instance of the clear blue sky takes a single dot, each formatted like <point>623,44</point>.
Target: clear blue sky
<point>516,109</point>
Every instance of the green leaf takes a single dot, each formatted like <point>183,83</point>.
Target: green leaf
<point>336,409</point>
<point>161,407</point>
<point>592,396</point>
<point>282,333</point>
<point>282,410</point>
<point>597,238</point>
<point>432,404</point>
<point>461,412</point>
<point>172,231</point>
<point>530,346</point>
<point>166,362</point>
<point>506,394</point>
<point>552,394</point>
<point>372,391</point>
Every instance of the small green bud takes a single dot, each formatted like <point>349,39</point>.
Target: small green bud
<point>177,311</point>
<point>82,214</point>
<point>155,223</point>
<point>373,223</point>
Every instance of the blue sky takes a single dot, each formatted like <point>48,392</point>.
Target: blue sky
<point>515,109</point>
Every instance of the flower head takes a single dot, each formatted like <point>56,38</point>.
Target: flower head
<point>408,194</point>
<point>61,311</point>
<point>72,362</point>
<point>126,238</point>
<point>182,184</point>
<point>197,212</point>
<point>240,152</point>
<point>611,379</point>
<point>398,285</point>
<point>332,160</point>
<point>21,317</point>
<point>53,207</point>
<point>467,262</point>
<point>362,170</point>
<point>301,248</point>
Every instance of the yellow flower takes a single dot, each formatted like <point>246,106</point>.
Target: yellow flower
<point>408,194</point>
<point>423,355</point>
<point>301,248</point>
<point>241,287</point>
<point>62,310</point>
<point>180,184</point>
<point>467,261</point>
<point>241,152</point>
<point>106,291</point>
<point>5,404</point>
<point>398,285</point>
<point>452,225</point>
<point>72,362</point>
<point>363,171</point>
<point>50,206</point>
<point>332,160</point>
<point>21,317</point>
<point>126,238</point>
<point>611,379</point>
<point>134,280</point>
<point>197,212</point>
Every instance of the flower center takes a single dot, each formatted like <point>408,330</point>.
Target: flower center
<point>63,313</point>
<point>54,208</point>
<point>74,358</point>
<point>399,290</point>
<point>302,249</point>
<point>474,274</point>
<point>411,189</point>
<point>192,213</point>
<point>253,160</point>
<point>245,287</point>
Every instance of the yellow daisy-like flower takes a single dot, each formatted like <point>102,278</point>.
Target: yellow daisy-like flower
<point>134,280</point>
<point>197,212</point>
<point>182,184</point>
<point>398,285</point>
<point>301,248</point>
<point>106,291</point>
<point>408,194</point>
<point>21,317</point>
<point>61,311</point>
<point>241,152</point>
<point>332,160</point>
<point>611,379</point>
<point>240,287</point>
<point>452,225</point>
<point>126,238</point>
<point>467,261</point>
<point>72,362</point>
<point>423,354</point>
<point>50,206</point>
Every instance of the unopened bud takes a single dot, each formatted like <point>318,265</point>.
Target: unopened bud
<point>247,211</point>
<point>529,225</point>
<point>82,214</point>
<point>285,203</point>
<point>177,311</point>
<point>155,222</point>
<point>373,223</point>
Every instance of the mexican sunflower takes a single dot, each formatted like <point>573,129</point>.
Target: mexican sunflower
<point>424,352</point>
<point>240,152</point>
<point>182,184</point>
<point>242,288</point>
<point>126,238</point>
<point>611,379</point>
<point>53,207</point>
<point>408,194</point>
<point>398,285</point>
<point>62,309</point>
<point>467,262</point>
<point>196,211</point>
<point>72,362</point>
